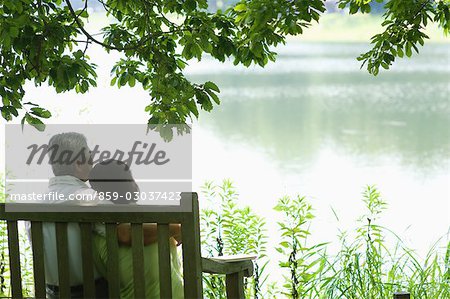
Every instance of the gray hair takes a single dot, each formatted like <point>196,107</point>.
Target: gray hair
<point>64,149</point>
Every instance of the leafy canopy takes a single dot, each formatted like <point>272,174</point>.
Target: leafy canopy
<point>45,41</point>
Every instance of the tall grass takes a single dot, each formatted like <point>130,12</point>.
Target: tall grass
<point>4,260</point>
<point>365,266</point>
<point>26,260</point>
<point>26,264</point>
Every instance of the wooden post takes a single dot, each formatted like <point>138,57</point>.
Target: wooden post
<point>192,259</point>
<point>235,285</point>
<point>402,295</point>
<point>14,259</point>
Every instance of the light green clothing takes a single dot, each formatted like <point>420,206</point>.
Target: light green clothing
<point>151,269</point>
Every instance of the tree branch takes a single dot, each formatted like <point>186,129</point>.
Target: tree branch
<point>83,10</point>
<point>90,37</point>
<point>106,7</point>
<point>111,47</point>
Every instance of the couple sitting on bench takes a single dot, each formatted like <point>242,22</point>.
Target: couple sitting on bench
<point>108,176</point>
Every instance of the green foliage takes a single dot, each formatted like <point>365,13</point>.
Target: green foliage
<point>405,22</point>
<point>2,189</point>
<point>366,267</point>
<point>227,228</point>
<point>305,262</point>
<point>359,267</point>
<point>26,260</point>
<point>4,260</point>
<point>45,41</point>
<point>26,264</point>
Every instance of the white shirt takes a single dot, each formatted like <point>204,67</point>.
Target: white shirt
<point>65,185</point>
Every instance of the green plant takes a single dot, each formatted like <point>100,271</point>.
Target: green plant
<point>2,190</point>
<point>4,261</point>
<point>305,262</point>
<point>429,278</point>
<point>212,243</point>
<point>26,264</point>
<point>229,229</point>
<point>366,267</point>
<point>26,260</point>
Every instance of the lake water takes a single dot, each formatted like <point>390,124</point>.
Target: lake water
<point>313,124</point>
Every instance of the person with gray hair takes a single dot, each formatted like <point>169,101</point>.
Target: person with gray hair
<point>69,157</point>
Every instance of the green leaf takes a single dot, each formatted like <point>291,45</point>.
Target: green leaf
<point>408,49</point>
<point>41,112</point>
<point>132,81</point>
<point>35,122</point>
<point>14,31</point>
<point>213,96</point>
<point>211,85</point>
<point>240,7</point>
<point>193,107</point>
<point>123,79</point>
<point>84,14</point>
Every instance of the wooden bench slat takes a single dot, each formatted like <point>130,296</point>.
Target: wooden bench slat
<point>88,260</point>
<point>62,249</point>
<point>14,259</point>
<point>37,245</point>
<point>92,217</point>
<point>105,214</point>
<point>137,245</point>
<point>112,265</point>
<point>165,279</point>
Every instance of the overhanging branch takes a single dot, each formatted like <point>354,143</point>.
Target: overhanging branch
<point>90,37</point>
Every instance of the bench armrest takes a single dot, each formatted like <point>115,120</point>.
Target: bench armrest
<point>215,267</point>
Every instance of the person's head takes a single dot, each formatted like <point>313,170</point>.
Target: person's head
<point>114,176</point>
<point>70,155</point>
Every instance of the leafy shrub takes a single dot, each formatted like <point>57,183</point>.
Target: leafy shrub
<point>227,228</point>
<point>364,267</point>
<point>304,262</point>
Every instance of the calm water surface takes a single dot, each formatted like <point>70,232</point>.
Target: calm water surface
<point>313,124</point>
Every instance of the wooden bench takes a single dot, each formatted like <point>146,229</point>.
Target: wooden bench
<point>193,263</point>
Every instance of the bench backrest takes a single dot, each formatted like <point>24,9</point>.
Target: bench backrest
<point>187,214</point>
